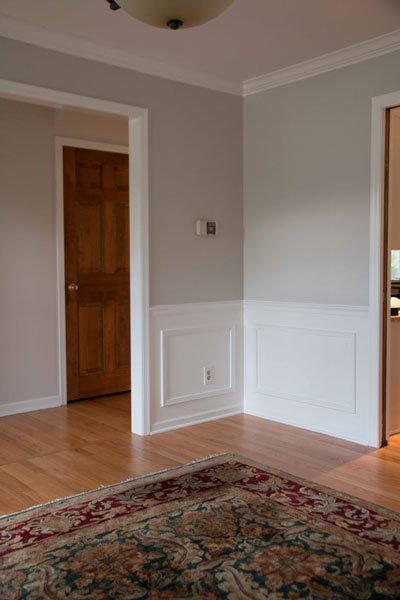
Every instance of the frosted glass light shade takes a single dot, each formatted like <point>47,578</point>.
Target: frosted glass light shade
<point>159,12</point>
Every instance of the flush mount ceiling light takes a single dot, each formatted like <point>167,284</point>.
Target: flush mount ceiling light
<point>172,14</point>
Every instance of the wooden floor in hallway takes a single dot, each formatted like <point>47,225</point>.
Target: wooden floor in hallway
<point>62,451</point>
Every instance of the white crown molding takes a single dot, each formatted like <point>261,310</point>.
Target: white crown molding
<point>350,55</point>
<point>22,31</point>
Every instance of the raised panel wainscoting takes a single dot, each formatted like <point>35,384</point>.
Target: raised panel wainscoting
<point>196,363</point>
<point>305,365</point>
<point>308,365</point>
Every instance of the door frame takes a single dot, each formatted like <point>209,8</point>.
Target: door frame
<point>60,143</point>
<point>139,235</point>
<point>378,303</point>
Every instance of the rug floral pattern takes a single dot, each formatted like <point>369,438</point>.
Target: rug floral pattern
<point>220,528</point>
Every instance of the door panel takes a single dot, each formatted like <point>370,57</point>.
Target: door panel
<point>96,210</point>
<point>91,338</point>
<point>89,234</point>
<point>122,338</point>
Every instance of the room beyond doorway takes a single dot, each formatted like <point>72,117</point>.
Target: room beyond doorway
<point>391,271</point>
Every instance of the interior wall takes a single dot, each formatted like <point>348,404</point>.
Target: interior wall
<point>195,158</point>
<point>88,126</point>
<point>195,148</point>
<point>28,299</point>
<point>307,185</point>
<point>309,349</point>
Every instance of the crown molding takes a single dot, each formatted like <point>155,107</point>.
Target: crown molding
<point>350,55</point>
<point>22,31</point>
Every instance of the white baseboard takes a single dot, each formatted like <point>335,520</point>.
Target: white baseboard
<point>294,423</point>
<point>186,339</point>
<point>14,408</point>
<point>197,418</point>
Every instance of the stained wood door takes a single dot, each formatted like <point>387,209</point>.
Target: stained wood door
<point>96,215</point>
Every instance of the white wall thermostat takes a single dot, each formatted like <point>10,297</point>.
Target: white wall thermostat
<point>204,227</point>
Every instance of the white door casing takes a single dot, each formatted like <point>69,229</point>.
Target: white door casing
<point>379,105</point>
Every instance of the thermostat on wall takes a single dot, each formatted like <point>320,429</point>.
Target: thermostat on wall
<point>204,227</point>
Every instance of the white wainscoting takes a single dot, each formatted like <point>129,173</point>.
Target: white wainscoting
<point>308,365</point>
<point>186,339</point>
<point>14,408</point>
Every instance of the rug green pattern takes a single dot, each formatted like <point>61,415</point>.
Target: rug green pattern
<point>220,528</point>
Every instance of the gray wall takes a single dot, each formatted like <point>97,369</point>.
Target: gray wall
<point>307,185</point>
<point>307,163</point>
<point>195,153</point>
<point>28,299</point>
<point>89,126</point>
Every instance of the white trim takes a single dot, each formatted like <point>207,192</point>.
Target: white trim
<point>379,106</point>
<point>138,196</point>
<point>93,145</point>
<point>22,31</point>
<point>213,390</point>
<point>350,55</point>
<point>179,395</point>
<point>197,418</point>
<point>14,408</point>
<point>16,29</point>
<point>306,307</point>
<point>302,398</point>
<point>62,354</point>
<point>23,92</point>
<point>60,142</point>
<point>139,246</point>
<point>285,420</point>
<point>308,365</point>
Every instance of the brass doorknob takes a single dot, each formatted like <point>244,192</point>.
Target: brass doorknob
<point>73,287</point>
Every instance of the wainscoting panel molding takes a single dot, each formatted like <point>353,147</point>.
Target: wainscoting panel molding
<point>308,366</point>
<point>329,355</point>
<point>189,341</point>
<point>181,378</point>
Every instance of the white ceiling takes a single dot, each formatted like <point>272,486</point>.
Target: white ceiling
<point>252,38</point>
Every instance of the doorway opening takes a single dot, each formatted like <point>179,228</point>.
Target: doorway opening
<point>379,289</point>
<point>391,279</point>
<point>138,250</point>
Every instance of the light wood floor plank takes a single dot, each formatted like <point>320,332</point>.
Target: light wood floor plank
<point>61,451</point>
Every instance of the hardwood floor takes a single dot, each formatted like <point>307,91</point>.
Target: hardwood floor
<point>57,452</point>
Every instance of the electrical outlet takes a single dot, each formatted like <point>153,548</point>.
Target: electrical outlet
<point>208,375</point>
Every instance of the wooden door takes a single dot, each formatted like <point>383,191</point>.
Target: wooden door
<point>96,214</point>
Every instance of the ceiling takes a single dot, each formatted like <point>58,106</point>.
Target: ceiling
<point>251,39</point>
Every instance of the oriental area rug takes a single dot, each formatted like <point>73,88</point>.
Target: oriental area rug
<point>222,527</point>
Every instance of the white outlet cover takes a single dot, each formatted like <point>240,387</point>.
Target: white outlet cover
<point>208,375</point>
